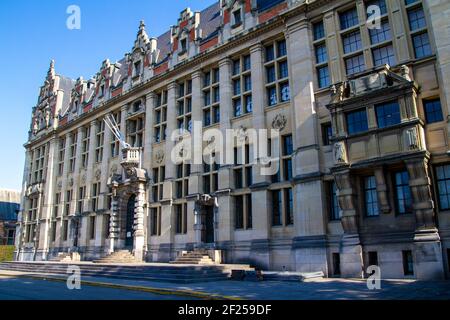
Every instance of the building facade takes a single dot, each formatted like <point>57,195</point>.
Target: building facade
<point>9,207</point>
<point>358,90</point>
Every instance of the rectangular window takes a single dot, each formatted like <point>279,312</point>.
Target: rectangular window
<point>276,67</point>
<point>289,207</point>
<point>384,55</point>
<point>327,134</point>
<point>416,19</point>
<point>179,218</point>
<point>239,209</point>
<point>323,76</point>
<point>357,121</point>
<point>348,19</point>
<point>388,114</point>
<point>352,42</point>
<point>381,4</point>
<point>422,47</point>
<point>249,211</point>
<point>321,54</point>
<point>433,110</point>
<point>92,228</point>
<point>277,208</point>
<point>443,185</point>
<point>403,192</point>
<point>371,197</point>
<point>355,64</point>
<point>53,231</point>
<point>408,264</point>
<point>65,229</point>
<point>378,35</point>
<point>318,31</point>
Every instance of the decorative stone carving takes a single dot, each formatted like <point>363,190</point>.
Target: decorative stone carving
<point>98,174</point>
<point>114,169</point>
<point>412,139</point>
<point>340,92</point>
<point>242,134</point>
<point>279,122</point>
<point>60,185</point>
<point>405,72</point>
<point>159,157</point>
<point>340,153</point>
<point>83,179</point>
<point>70,182</point>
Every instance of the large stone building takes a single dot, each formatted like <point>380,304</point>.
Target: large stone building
<point>359,90</point>
<point>9,207</point>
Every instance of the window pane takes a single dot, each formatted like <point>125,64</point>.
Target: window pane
<point>318,30</point>
<point>388,114</point>
<point>382,34</point>
<point>443,182</point>
<point>422,47</point>
<point>433,111</point>
<point>384,55</point>
<point>272,96</point>
<point>285,92</point>
<point>416,19</point>
<point>321,53</point>
<point>355,64</point>
<point>352,42</point>
<point>381,4</point>
<point>403,192</point>
<point>323,77</point>
<point>357,121</point>
<point>348,18</point>
<point>371,197</point>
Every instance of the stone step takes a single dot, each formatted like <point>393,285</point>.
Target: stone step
<point>177,274</point>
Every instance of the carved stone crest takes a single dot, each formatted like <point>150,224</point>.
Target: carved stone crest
<point>71,182</point>
<point>98,174</point>
<point>340,153</point>
<point>412,139</point>
<point>242,133</point>
<point>279,122</point>
<point>159,157</point>
<point>60,185</point>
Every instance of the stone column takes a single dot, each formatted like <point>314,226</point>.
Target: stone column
<point>49,191</point>
<point>167,226</point>
<point>439,26</point>
<point>225,215</point>
<point>383,198</point>
<point>114,223</point>
<point>65,183</point>
<point>336,69</point>
<point>139,235</point>
<point>351,248</point>
<point>76,185</point>
<point>260,195</point>
<point>84,239</point>
<point>427,253</point>
<point>309,218</point>
<point>20,230</point>
<point>148,140</point>
<point>195,179</point>
<point>398,30</point>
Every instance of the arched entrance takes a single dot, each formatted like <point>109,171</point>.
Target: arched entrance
<point>129,226</point>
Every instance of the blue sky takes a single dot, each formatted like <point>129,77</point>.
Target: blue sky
<point>34,32</point>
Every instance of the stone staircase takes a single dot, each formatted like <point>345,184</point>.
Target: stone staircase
<point>145,272</point>
<point>121,256</point>
<point>62,257</point>
<point>200,257</point>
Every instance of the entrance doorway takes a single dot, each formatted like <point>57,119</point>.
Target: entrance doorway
<point>129,237</point>
<point>208,222</point>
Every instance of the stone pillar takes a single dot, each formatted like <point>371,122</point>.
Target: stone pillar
<point>148,140</point>
<point>439,11</point>
<point>398,30</point>
<point>383,198</point>
<point>65,183</point>
<point>260,195</point>
<point>427,253</point>
<point>167,224</point>
<point>225,216</point>
<point>47,206</point>
<point>20,230</point>
<point>351,248</point>
<point>309,218</point>
<point>195,179</point>
<point>114,223</point>
<point>139,235</point>
<point>104,168</point>
<point>336,68</point>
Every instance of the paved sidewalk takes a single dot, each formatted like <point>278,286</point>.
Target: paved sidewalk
<point>323,289</point>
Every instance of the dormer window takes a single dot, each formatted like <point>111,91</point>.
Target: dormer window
<point>76,106</point>
<point>102,90</point>
<point>183,45</point>
<point>137,68</point>
<point>136,106</point>
<point>237,17</point>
